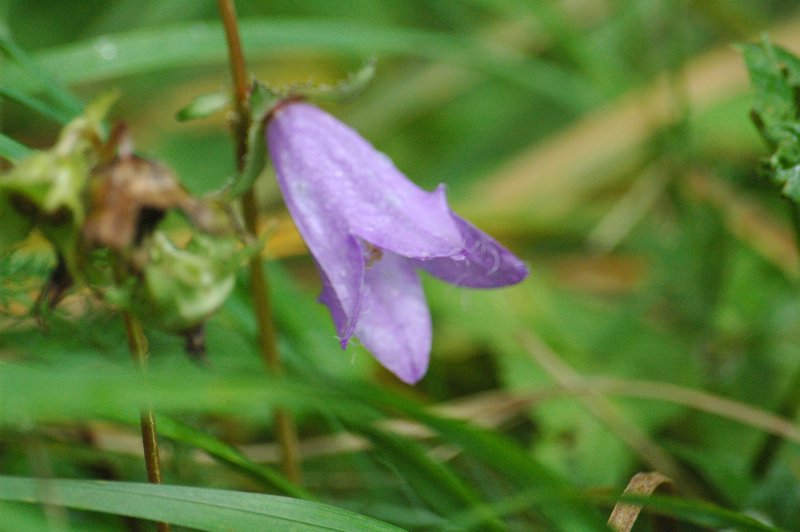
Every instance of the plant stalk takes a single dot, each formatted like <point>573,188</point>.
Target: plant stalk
<point>259,287</point>
<point>137,343</point>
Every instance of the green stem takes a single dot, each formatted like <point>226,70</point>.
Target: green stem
<point>284,424</point>
<point>137,343</point>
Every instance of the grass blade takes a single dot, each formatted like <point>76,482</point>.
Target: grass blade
<point>200,508</point>
<point>433,481</point>
<point>177,431</point>
<point>43,81</point>
<point>35,104</point>
<point>12,150</point>
<point>149,50</point>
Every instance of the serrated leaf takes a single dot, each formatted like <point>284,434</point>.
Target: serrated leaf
<point>775,77</point>
<point>773,99</point>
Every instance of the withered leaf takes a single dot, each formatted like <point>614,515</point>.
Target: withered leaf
<point>625,514</point>
<point>129,196</point>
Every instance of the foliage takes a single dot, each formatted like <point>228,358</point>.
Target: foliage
<point>775,76</point>
<point>607,143</point>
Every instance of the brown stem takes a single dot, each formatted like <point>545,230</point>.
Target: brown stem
<point>284,424</point>
<point>137,343</point>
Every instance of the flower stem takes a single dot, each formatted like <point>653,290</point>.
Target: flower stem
<point>137,343</point>
<point>284,424</point>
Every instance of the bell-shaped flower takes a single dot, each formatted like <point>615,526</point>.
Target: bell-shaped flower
<point>370,229</point>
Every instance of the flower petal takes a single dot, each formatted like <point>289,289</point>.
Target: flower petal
<point>343,302</point>
<point>395,324</point>
<point>323,162</point>
<point>483,263</point>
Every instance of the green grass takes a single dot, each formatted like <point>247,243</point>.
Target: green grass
<point>607,143</point>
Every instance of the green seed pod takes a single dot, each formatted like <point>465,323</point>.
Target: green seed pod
<point>181,288</point>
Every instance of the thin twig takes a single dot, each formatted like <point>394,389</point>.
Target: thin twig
<point>284,424</point>
<point>137,343</point>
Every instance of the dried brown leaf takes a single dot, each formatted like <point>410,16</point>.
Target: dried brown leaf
<point>624,515</point>
<point>126,194</point>
<point>129,195</point>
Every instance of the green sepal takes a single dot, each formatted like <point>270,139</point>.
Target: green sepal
<point>204,106</point>
<point>344,90</point>
<point>262,101</point>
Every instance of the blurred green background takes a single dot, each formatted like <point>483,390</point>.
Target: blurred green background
<point>607,142</point>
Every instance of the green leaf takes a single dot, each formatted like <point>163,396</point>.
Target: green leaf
<point>204,106</point>
<point>772,76</point>
<point>199,508</point>
<point>775,77</point>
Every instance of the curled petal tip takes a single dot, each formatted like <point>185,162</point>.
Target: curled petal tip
<point>482,263</point>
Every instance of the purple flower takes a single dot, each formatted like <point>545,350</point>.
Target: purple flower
<point>370,229</point>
